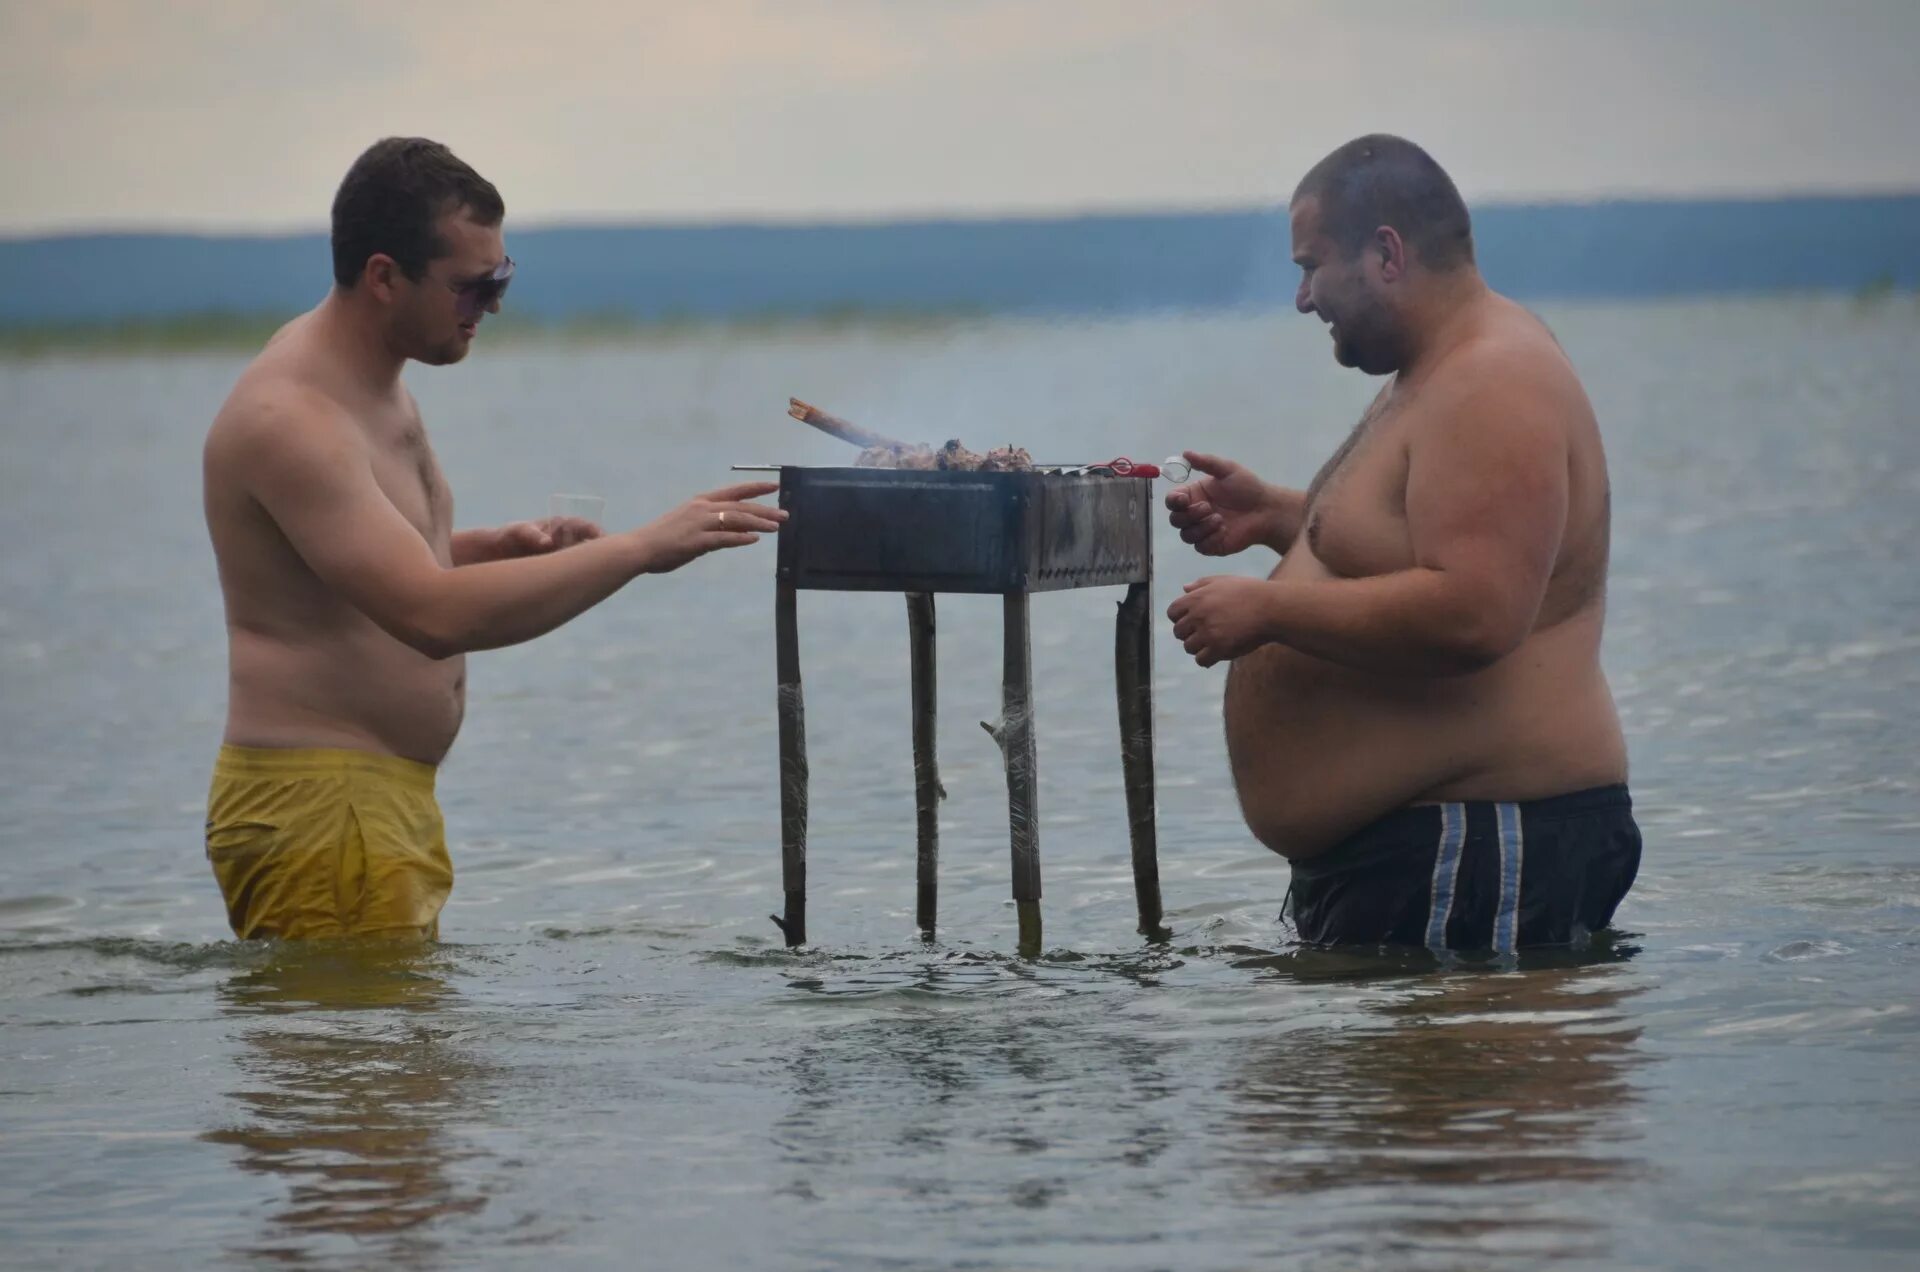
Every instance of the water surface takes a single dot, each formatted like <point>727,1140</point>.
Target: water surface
<point>612,1060</point>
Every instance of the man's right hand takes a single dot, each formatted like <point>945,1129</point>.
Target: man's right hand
<point>706,523</point>
<point>1228,510</point>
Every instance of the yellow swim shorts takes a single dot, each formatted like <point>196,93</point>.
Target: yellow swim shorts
<point>324,843</point>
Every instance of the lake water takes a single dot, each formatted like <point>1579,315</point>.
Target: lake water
<point>613,1062</point>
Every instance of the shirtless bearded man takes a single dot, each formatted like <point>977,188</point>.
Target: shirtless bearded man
<point>1416,715</point>
<point>351,601</point>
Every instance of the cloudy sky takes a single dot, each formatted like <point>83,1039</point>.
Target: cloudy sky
<point>245,113</point>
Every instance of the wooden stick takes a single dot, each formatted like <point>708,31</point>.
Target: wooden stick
<point>1133,677</point>
<point>834,426</point>
<point>793,766</point>
<point>927,792</point>
<point>1016,741</point>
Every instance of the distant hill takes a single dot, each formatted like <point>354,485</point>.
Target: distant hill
<point>1060,265</point>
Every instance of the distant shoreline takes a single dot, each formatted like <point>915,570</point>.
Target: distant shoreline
<point>218,332</point>
<point>241,332</point>
<point>160,290</point>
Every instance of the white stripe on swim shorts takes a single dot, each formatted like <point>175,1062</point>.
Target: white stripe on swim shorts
<point>1506,918</point>
<point>1446,873</point>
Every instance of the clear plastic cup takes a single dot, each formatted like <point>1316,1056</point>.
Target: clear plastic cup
<point>586,507</point>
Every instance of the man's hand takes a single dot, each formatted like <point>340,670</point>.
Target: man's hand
<point>548,534</point>
<point>521,539</point>
<point>1222,617</point>
<point>706,523</point>
<point>1227,511</point>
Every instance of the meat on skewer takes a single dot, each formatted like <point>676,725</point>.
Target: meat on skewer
<point>877,450</point>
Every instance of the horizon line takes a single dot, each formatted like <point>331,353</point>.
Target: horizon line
<point>620,221</point>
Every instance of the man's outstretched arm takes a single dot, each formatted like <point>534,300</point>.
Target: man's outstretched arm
<point>311,472</point>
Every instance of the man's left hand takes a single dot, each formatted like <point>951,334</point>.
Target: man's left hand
<point>536,538</point>
<point>1222,617</point>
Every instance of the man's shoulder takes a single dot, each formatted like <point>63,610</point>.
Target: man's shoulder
<point>279,431</point>
<point>273,407</point>
<point>1511,340</point>
<point>1513,360</point>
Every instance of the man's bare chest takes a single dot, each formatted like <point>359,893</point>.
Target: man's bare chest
<point>1356,521</point>
<point>409,473</point>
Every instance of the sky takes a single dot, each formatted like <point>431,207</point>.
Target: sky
<point>244,114</point>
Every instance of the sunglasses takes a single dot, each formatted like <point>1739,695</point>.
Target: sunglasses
<point>477,295</point>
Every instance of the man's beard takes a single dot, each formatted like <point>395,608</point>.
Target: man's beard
<point>444,355</point>
<point>441,353</point>
<point>424,339</point>
<point>1363,343</point>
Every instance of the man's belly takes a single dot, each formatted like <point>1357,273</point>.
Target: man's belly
<point>362,690</point>
<point>1319,750</point>
<point>1305,739</point>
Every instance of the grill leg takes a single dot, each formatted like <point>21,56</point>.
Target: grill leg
<point>1016,723</point>
<point>927,792</point>
<point>1133,676</point>
<point>793,767</point>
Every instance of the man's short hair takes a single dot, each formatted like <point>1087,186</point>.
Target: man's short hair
<point>1384,180</point>
<point>391,198</point>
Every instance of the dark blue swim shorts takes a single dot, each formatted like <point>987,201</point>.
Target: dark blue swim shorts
<point>1474,876</point>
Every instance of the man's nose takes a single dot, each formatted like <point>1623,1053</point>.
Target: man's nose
<point>1303,299</point>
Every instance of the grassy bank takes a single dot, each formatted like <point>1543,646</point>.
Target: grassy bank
<point>239,333</point>
<point>244,333</point>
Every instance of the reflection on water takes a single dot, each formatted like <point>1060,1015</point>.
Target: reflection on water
<point>1373,1107</point>
<point>1489,1093</point>
<point>347,1091</point>
<point>978,1087</point>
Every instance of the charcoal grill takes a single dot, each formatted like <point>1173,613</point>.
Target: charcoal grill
<point>1011,533</point>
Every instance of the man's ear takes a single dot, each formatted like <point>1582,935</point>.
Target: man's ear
<point>1391,251</point>
<point>381,276</point>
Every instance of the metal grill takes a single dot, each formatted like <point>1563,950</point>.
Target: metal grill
<point>1010,533</point>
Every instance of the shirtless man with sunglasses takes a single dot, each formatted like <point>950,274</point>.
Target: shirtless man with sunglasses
<point>351,600</point>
